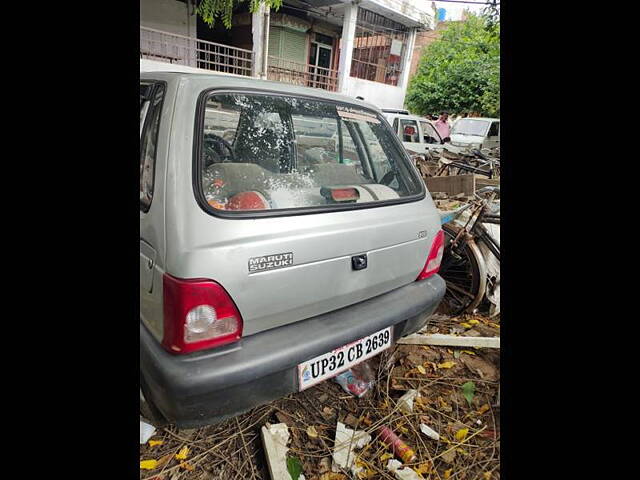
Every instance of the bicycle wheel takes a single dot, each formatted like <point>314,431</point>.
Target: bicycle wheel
<point>465,273</point>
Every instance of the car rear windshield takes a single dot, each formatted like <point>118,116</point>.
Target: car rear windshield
<point>266,152</point>
<point>467,126</point>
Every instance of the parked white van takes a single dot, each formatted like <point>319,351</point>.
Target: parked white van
<point>476,133</point>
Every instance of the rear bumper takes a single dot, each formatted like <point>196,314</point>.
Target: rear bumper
<point>203,388</point>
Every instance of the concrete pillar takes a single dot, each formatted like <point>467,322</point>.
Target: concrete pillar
<point>346,44</point>
<point>192,27</point>
<point>192,21</point>
<point>406,61</point>
<point>434,8</point>
<point>260,29</point>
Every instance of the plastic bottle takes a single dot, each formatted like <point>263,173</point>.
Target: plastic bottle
<point>400,449</point>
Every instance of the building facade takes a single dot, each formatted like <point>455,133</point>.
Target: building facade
<point>358,48</point>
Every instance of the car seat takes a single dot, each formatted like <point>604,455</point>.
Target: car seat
<point>336,174</point>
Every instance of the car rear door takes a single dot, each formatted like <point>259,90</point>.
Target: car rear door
<point>411,135</point>
<point>282,267</point>
<point>430,136</point>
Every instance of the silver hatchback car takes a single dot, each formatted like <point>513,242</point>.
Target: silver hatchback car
<point>285,236</point>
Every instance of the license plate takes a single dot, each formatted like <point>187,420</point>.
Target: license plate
<point>337,361</point>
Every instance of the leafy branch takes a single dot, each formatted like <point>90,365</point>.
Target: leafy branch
<point>210,10</point>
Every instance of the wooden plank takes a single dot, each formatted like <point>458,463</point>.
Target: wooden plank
<point>452,185</point>
<point>486,182</point>
<point>450,340</point>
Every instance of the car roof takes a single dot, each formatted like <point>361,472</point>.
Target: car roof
<point>480,118</point>
<point>402,115</point>
<point>212,80</point>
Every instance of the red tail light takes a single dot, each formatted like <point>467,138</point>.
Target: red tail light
<point>432,265</point>
<point>198,314</point>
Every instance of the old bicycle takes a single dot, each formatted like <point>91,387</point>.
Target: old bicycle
<point>471,261</point>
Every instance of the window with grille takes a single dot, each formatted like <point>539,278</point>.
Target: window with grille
<point>379,48</point>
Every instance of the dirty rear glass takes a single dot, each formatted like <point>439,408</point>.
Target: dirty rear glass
<point>262,152</point>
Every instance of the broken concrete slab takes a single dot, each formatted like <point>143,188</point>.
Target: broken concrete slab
<point>346,442</point>
<point>450,340</point>
<point>274,439</point>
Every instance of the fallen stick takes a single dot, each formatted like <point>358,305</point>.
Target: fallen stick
<point>450,340</point>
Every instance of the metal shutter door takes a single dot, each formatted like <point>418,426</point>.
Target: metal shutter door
<point>294,46</point>
<point>275,35</point>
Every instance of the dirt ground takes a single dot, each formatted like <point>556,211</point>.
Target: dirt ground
<point>469,428</point>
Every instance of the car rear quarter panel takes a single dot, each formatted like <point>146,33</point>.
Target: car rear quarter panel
<point>152,222</point>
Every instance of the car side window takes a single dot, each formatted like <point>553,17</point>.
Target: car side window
<point>410,131</point>
<point>429,133</point>
<point>351,152</point>
<point>219,134</point>
<point>375,150</point>
<point>494,130</point>
<point>149,140</point>
<point>316,139</point>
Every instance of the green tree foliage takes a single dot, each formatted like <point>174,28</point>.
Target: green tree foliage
<point>460,72</point>
<point>491,13</point>
<point>210,10</point>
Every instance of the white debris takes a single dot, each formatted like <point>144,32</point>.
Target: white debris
<point>405,402</point>
<point>404,473</point>
<point>345,443</point>
<point>449,340</point>
<point>146,431</point>
<point>429,432</point>
<point>274,439</point>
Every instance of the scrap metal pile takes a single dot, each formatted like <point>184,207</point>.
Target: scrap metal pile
<point>465,186</point>
<point>456,161</point>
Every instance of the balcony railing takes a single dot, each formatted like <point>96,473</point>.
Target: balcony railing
<point>374,72</point>
<point>179,49</point>
<point>182,50</point>
<point>287,71</point>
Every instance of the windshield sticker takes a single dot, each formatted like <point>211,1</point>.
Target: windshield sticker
<point>355,114</point>
<point>270,262</point>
